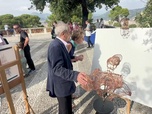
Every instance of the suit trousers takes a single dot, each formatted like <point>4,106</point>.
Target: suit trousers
<point>28,57</point>
<point>65,104</point>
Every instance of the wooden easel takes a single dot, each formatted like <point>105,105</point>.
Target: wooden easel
<point>6,86</point>
<point>128,101</point>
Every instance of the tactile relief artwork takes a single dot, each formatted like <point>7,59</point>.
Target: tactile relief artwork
<point>108,84</point>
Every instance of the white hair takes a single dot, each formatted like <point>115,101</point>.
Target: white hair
<point>60,28</point>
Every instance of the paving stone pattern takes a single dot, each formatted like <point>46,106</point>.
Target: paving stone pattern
<point>36,84</point>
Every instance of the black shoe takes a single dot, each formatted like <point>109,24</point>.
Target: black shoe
<point>31,71</point>
<point>26,75</point>
<point>88,47</point>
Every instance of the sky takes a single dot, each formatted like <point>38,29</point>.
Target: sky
<point>18,7</point>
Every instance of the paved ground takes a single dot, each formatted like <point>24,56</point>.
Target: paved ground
<point>36,84</point>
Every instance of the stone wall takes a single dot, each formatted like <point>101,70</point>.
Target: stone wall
<point>28,30</point>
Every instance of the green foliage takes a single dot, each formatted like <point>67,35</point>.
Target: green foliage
<point>110,22</point>
<point>74,16</point>
<point>116,24</point>
<point>69,5</point>
<point>132,26</point>
<point>25,20</point>
<point>63,9</point>
<point>29,21</point>
<point>6,20</point>
<point>75,19</point>
<point>118,11</point>
<point>145,18</point>
<point>51,19</point>
<point>90,15</point>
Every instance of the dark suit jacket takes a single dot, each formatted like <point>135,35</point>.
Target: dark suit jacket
<point>61,77</point>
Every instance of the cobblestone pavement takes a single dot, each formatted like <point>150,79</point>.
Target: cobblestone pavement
<point>36,84</point>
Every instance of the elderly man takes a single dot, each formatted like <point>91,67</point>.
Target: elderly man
<point>61,77</point>
<point>25,40</point>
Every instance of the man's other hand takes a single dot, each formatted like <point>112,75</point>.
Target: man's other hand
<point>82,78</point>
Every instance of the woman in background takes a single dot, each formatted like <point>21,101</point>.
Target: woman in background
<point>76,38</point>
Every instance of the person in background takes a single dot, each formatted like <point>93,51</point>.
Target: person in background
<point>6,28</point>
<point>25,40</point>
<point>61,76</point>
<point>53,30</point>
<point>101,24</point>
<point>70,26</point>
<point>76,38</point>
<point>76,26</point>
<point>22,57</point>
<point>88,33</point>
<point>97,24</point>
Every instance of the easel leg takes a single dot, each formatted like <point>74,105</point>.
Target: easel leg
<point>31,109</point>
<point>7,93</point>
<point>28,107</point>
<point>128,105</point>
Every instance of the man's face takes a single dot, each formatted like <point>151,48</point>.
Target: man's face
<point>68,35</point>
<point>16,28</point>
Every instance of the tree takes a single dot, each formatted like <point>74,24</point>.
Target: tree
<point>145,17</point>
<point>51,19</point>
<point>29,21</point>
<point>6,19</point>
<point>24,20</point>
<point>59,14</point>
<point>118,12</point>
<point>69,5</point>
<point>74,16</point>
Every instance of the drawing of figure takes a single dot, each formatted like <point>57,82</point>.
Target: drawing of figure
<point>113,62</point>
<point>126,69</point>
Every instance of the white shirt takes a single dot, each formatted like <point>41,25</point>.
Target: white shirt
<point>64,42</point>
<point>88,32</point>
<point>6,27</point>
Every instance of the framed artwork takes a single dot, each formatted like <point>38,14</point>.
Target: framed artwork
<point>10,62</point>
<point>7,55</point>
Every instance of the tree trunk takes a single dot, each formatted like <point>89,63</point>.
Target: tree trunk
<point>84,13</point>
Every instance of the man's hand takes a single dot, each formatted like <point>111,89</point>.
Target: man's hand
<point>79,58</point>
<point>26,42</point>
<point>82,78</point>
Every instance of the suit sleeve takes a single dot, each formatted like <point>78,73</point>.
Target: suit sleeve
<point>58,64</point>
